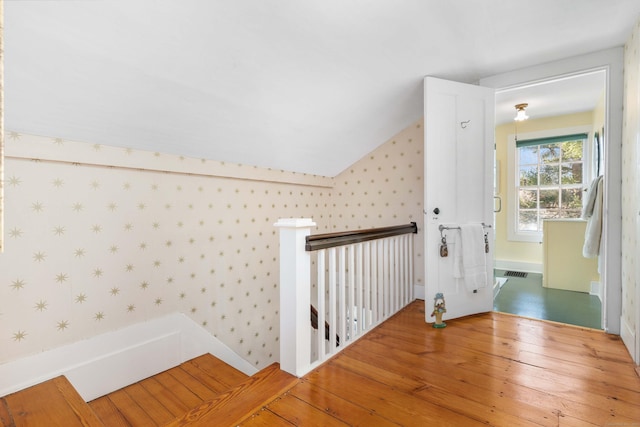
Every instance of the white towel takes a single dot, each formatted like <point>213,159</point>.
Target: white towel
<point>592,212</point>
<point>587,209</point>
<point>458,272</point>
<point>469,257</point>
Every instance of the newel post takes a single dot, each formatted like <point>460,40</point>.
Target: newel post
<point>295,295</point>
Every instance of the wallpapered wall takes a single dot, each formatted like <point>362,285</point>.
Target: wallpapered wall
<point>98,237</point>
<point>385,188</point>
<point>630,179</point>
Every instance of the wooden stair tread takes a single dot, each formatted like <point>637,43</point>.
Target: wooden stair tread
<point>201,391</point>
<point>162,398</point>
<point>52,403</point>
<point>216,369</point>
<point>237,404</point>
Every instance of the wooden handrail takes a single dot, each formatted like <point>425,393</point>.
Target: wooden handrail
<point>314,325</point>
<point>329,240</point>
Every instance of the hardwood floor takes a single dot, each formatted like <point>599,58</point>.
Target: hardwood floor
<point>163,398</point>
<point>491,369</point>
<point>52,403</point>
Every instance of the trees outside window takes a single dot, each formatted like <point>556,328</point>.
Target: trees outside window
<point>550,180</point>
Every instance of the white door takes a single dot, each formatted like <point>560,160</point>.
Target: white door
<point>459,140</point>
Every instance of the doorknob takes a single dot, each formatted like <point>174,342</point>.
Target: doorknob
<point>436,211</point>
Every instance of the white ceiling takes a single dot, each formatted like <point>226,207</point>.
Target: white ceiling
<point>308,86</point>
<point>565,95</point>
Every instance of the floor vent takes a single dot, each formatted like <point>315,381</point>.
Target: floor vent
<point>515,274</point>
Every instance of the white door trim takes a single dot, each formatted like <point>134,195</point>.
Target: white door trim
<point>611,61</point>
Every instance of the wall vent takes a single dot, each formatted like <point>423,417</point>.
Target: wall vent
<point>515,274</point>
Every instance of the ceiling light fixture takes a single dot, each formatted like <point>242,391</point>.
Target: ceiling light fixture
<point>521,114</point>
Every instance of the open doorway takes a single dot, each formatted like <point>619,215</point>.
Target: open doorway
<point>545,166</point>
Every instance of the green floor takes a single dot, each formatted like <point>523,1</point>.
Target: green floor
<point>526,297</point>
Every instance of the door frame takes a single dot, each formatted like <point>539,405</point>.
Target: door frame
<point>611,61</point>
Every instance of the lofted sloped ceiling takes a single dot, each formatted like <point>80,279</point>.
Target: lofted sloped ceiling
<point>306,86</point>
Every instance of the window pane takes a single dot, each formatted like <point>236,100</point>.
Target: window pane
<point>572,151</point>
<point>571,213</point>
<point>528,155</point>
<point>528,175</point>
<point>572,199</point>
<point>528,199</point>
<point>549,174</point>
<point>550,153</point>
<point>572,173</point>
<point>527,221</point>
<point>550,177</point>
<point>549,214</point>
<point>549,199</point>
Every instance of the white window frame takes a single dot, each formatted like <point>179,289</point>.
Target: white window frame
<point>513,176</point>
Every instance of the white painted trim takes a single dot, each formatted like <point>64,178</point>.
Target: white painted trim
<point>633,132</point>
<point>496,289</point>
<point>512,176</point>
<point>418,292</point>
<point>596,289</point>
<point>110,361</point>
<point>40,148</point>
<point>527,267</point>
<point>612,61</point>
<point>295,295</point>
<point>628,336</point>
<point>498,283</point>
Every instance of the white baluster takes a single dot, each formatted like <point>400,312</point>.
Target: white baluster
<point>321,291</point>
<point>358,328</point>
<point>396,275</point>
<point>351,286</point>
<point>366,318</point>
<point>410,266</point>
<point>332,301</point>
<point>375,310</point>
<point>342,301</point>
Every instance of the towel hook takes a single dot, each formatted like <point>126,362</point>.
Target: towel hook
<point>463,125</point>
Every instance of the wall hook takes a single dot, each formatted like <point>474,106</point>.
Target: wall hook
<point>463,125</point>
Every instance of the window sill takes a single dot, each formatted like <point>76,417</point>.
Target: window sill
<point>525,237</point>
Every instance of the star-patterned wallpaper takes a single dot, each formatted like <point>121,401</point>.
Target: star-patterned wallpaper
<point>630,178</point>
<point>101,237</point>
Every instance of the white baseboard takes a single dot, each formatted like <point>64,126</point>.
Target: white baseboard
<point>110,361</point>
<point>418,292</point>
<point>596,289</point>
<point>497,285</point>
<point>527,267</point>
<point>629,339</point>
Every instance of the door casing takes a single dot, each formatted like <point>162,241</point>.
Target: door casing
<point>611,61</point>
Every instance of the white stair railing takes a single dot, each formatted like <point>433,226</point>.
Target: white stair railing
<point>360,279</point>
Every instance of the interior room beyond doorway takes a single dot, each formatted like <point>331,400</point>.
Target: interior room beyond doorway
<point>564,290</point>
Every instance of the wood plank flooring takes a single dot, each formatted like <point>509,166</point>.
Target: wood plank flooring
<point>167,396</point>
<point>238,403</point>
<point>52,403</point>
<point>490,369</point>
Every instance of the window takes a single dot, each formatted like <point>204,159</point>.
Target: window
<point>548,176</point>
<point>550,180</point>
